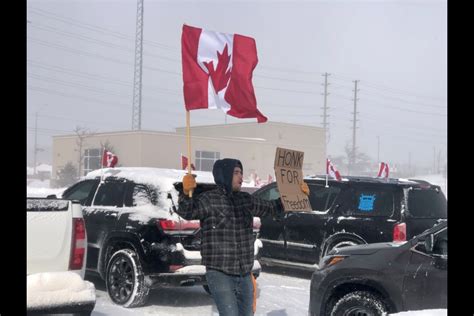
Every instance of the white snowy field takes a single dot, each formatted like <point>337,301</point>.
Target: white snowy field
<point>278,295</point>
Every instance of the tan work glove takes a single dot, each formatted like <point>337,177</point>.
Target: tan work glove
<point>189,183</point>
<point>304,187</point>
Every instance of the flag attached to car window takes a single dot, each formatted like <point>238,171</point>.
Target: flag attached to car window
<point>332,171</point>
<point>109,160</point>
<point>217,72</point>
<point>383,170</point>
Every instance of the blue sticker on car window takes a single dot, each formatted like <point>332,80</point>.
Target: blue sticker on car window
<point>366,202</point>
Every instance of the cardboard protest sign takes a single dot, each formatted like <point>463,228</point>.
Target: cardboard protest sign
<point>289,177</point>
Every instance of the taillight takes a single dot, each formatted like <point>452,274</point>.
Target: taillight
<point>78,246</point>
<point>178,227</point>
<point>400,232</point>
<point>175,267</point>
<point>256,224</point>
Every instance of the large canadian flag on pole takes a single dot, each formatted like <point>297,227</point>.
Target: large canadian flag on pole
<point>217,72</point>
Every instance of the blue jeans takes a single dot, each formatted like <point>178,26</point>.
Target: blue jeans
<point>233,294</point>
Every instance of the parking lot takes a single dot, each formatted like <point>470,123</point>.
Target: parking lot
<point>280,293</point>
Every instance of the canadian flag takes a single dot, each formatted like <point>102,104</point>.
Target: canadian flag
<point>109,159</point>
<point>384,169</point>
<point>184,163</point>
<point>217,72</point>
<point>332,171</point>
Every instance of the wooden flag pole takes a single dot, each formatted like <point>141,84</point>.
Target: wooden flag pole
<point>188,138</point>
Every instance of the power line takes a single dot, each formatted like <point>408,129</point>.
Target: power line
<point>402,100</point>
<point>100,42</point>
<point>96,77</point>
<point>93,27</point>
<point>107,58</point>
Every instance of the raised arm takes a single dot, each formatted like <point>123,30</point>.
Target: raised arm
<point>191,208</point>
<point>262,208</point>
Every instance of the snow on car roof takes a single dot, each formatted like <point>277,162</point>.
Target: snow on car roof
<point>159,177</point>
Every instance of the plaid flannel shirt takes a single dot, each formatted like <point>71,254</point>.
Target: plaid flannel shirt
<point>227,227</point>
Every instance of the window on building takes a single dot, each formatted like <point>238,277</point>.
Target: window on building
<point>92,158</point>
<point>205,159</point>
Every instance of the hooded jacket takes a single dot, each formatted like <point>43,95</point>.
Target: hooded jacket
<point>226,219</point>
<point>223,172</point>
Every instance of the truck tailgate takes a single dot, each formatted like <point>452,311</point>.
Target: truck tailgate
<point>49,235</point>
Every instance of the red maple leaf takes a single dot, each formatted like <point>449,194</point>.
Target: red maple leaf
<point>220,77</point>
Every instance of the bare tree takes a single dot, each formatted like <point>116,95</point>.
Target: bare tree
<point>82,133</point>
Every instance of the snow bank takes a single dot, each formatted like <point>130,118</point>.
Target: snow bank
<point>425,312</point>
<point>58,289</point>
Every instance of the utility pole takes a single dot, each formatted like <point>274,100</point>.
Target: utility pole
<point>354,127</point>
<point>409,164</point>
<point>434,160</point>
<point>325,108</point>
<point>36,144</point>
<point>137,78</point>
<point>378,148</point>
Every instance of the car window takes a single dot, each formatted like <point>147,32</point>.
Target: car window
<point>322,198</point>
<point>270,194</point>
<point>143,195</point>
<point>81,191</point>
<point>369,201</point>
<point>110,194</point>
<point>427,203</point>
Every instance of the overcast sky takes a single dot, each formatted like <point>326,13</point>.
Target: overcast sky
<point>80,67</point>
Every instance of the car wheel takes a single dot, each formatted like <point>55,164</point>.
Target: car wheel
<point>359,303</point>
<point>125,280</point>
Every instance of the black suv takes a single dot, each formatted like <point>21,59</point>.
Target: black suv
<point>135,240</point>
<point>358,210</point>
<point>383,278</point>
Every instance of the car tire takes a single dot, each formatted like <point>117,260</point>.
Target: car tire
<point>359,303</point>
<point>125,280</point>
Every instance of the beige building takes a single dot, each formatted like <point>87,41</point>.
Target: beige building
<point>254,144</point>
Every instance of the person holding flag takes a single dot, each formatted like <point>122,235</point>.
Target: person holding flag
<point>217,74</point>
<point>227,247</point>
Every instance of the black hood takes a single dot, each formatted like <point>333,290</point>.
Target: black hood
<point>223,172</point>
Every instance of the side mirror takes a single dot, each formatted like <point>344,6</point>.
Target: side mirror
<point>429,242</point>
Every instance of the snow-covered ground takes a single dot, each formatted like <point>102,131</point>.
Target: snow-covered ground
<point>278,295</point>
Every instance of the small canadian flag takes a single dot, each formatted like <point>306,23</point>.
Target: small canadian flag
<point>383,171</point>
<point>332,171</point>
<point>184,163</point>
<point>109,160</point>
